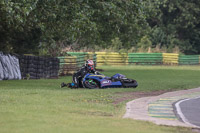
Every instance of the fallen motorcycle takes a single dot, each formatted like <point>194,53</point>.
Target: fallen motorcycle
<point>93,81</point>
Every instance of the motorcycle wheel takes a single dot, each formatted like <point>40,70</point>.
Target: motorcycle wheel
<point>130,83</point>
<point>91,84</point>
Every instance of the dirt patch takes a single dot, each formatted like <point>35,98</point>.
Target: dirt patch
<point>125,96</point>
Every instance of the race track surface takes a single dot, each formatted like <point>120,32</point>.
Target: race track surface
<point>160,109</point>
<point>189,111</point>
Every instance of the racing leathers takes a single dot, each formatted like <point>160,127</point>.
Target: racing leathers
<point>79,75</point>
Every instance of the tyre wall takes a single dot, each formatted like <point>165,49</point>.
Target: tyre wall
<point>111,58</point>
<point>35,67</point>
<point>189,59</point>
<point>81,57</point>
<point>115,58</point>
<point>73,61</point>
<point>145,58</point>
<point>170,59</point>
<point>68,65</point>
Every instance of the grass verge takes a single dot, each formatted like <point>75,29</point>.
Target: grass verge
<point>41,106</point>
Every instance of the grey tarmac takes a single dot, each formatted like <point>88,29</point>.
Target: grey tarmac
<point>189,110</point>
<point>138,109</point>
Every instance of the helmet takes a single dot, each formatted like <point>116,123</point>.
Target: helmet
<point>89,64</point>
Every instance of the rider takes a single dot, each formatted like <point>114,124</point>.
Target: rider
<point>78,76</point>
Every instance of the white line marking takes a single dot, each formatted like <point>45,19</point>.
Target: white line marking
<point>179,112</point>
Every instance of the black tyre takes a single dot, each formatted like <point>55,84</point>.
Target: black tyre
<point>91,84</point>
<point>134,83</point>
<point>129,83</point>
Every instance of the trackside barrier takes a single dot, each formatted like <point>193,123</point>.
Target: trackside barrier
<point>170,58</point>
<point>199,59</point>
<point>35,67</point>
<point>83,56</point>
<point>68,65</point>
<point>73,61</point>
<point>80,57</point>
<point>111,58</point>
<point>9,67</point>
<point>145,58</point>
<point>92,56</point>
<point>189,59</point>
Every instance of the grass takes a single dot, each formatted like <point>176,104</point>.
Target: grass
<point>29,106</point>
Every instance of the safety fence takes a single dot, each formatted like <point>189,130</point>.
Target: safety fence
<point>170,59</point>
<point>189,59</point>
<point>35,67</point>
<point>145,58</point>
<point>73,61</point>
<point>69,65</point>
<point>9,67</point>
<point>82,57</point>
<point>27,67</point>
<point>111,58</point>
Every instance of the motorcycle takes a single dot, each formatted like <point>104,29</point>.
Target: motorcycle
<point>93,81</point>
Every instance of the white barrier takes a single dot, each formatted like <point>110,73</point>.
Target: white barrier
<point>9,67</point>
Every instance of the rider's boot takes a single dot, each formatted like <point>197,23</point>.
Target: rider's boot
<point>72,85</point>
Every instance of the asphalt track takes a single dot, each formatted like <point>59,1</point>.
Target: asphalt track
<point>160,109</point>
<point>189,110</point>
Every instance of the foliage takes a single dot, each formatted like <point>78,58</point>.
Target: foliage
<point>78,23</point>
<point>19,28</point>
<point>116,44</point>
<point>144,43</point>
<point>175,23</point>
<point>32,26</point>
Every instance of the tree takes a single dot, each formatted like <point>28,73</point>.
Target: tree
<point>27,25</point>
<point>175,20</point>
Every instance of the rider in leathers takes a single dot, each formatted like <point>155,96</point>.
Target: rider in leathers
<point>79,75</point>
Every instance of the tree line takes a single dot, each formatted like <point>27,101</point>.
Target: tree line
<point>48,26</point>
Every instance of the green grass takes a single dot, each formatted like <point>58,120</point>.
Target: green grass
<point>152,78</point>
<point>29,106</point>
